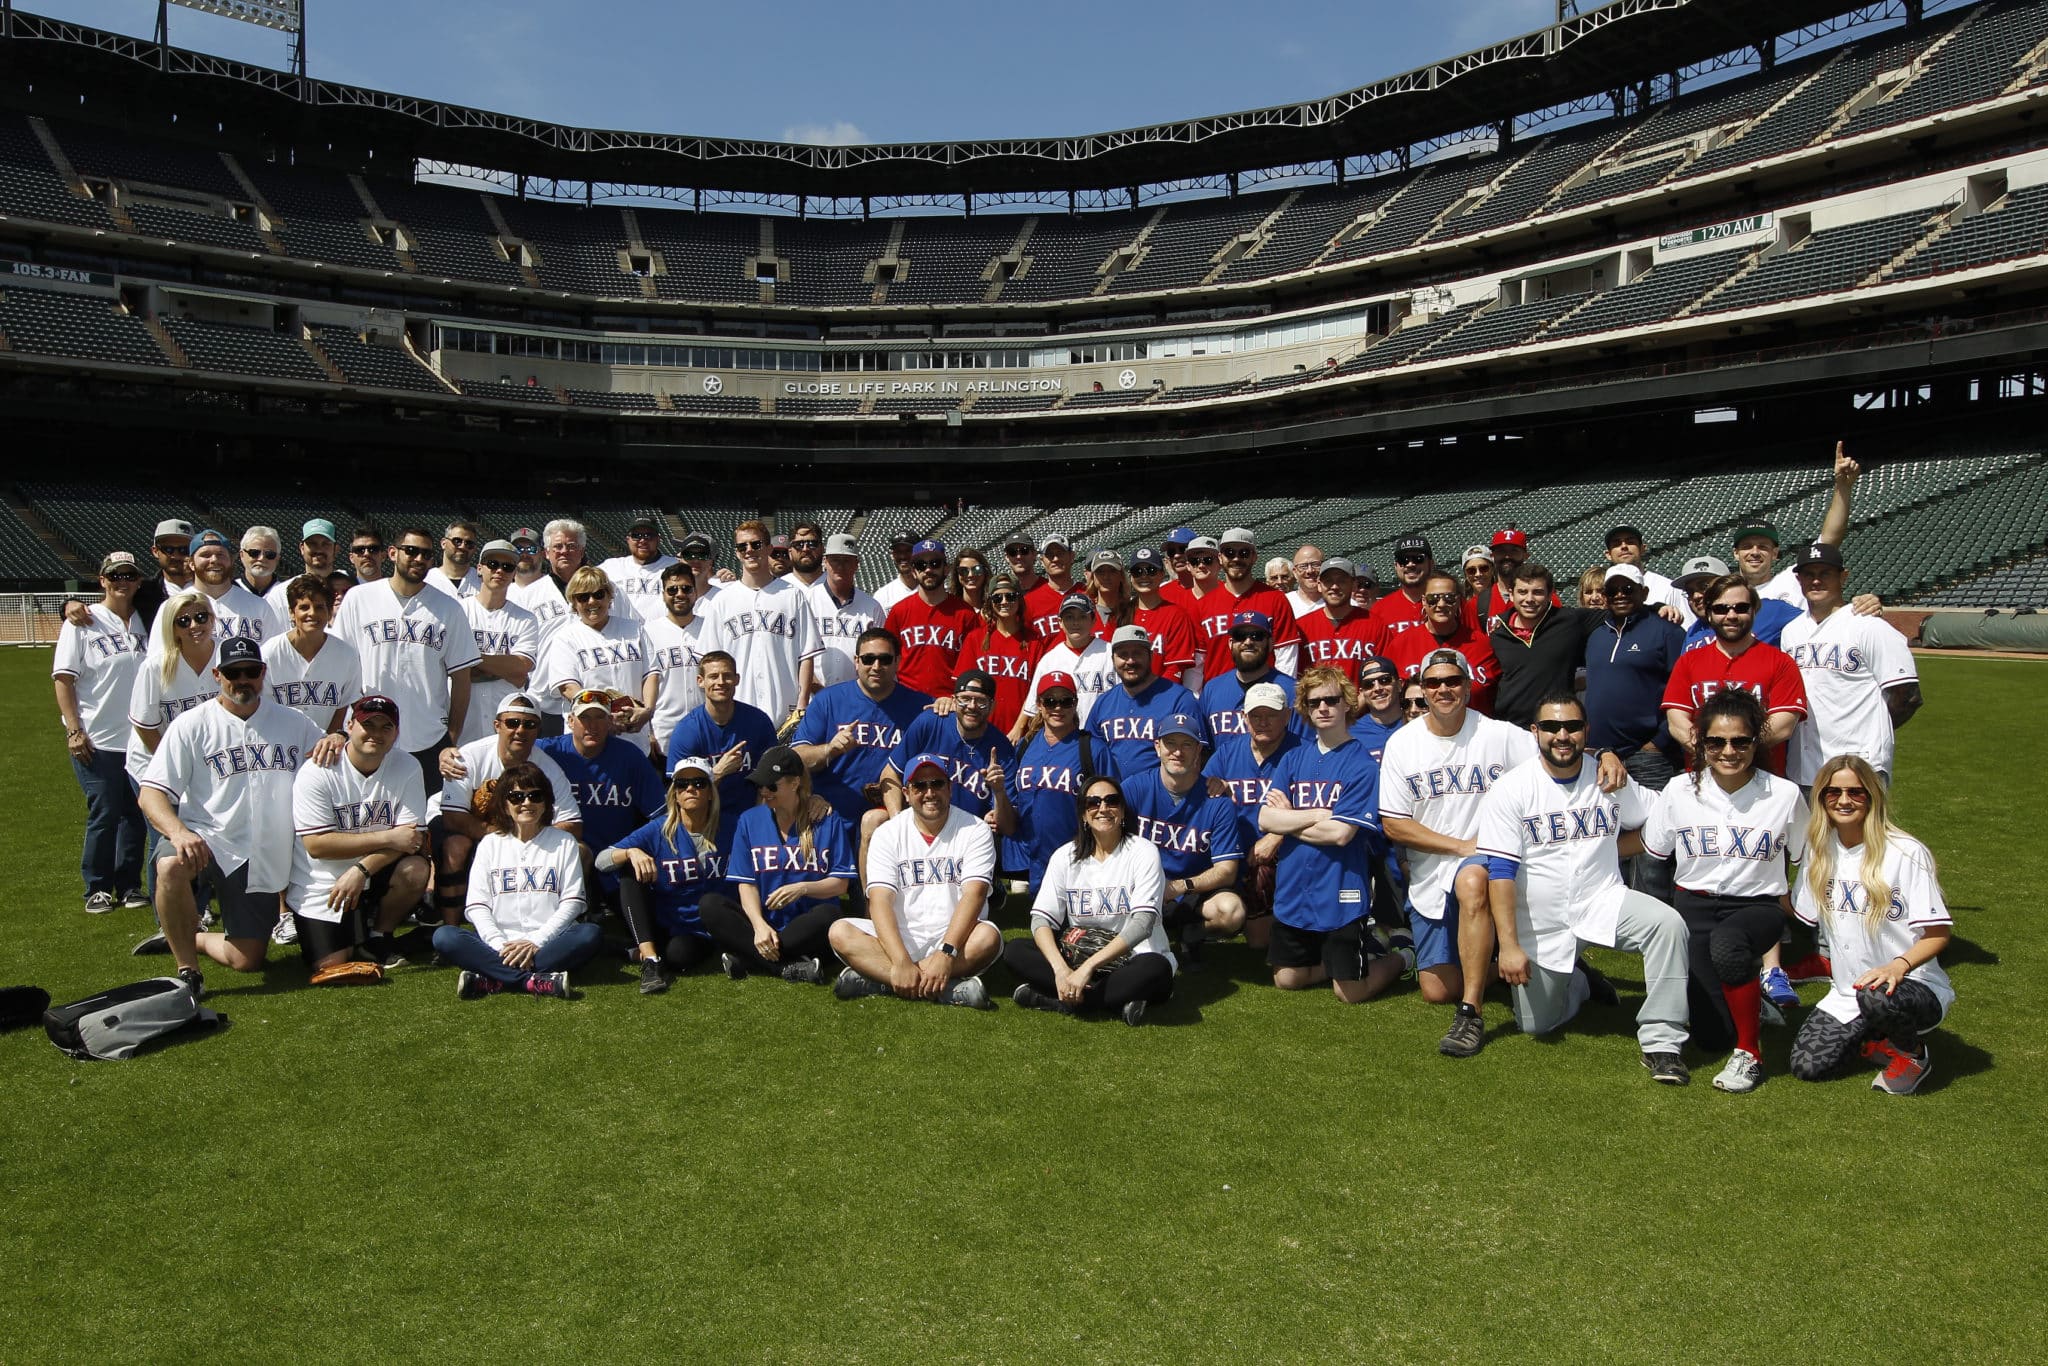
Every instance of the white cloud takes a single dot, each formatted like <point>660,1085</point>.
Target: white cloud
<point>839,134</point>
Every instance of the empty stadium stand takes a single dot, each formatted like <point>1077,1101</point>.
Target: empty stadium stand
<point>85,326</point>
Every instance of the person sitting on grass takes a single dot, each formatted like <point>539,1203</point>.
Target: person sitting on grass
<point>791,860</point>
<point>675,867</point>
<point>1887,923</point>
<point>927,935</point>
<point>1096,938</point>
<point>525,894</point>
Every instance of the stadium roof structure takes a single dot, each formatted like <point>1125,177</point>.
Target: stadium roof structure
<point>1622,45</point>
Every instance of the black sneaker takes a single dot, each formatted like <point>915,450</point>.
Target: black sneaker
<point>1466,1035</point>
<point>99,903</point>
<point>1031,998</point>
<point>806,970</point>
<point>1603,992</point>
<point>653,981</point>
<point>1667,1069</point>
<point>474,986</point>
<point>734,968</point>
<point>151,944</point>
<point>1134,1013</point>
<point>382,950</point>
<point>554,984</point>
<point>196,983</point>
<point>133,901</point>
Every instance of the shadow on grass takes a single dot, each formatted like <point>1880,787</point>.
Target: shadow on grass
<point>1961,950</point>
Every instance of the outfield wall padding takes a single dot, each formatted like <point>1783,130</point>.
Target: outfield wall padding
<point>1965,631</point>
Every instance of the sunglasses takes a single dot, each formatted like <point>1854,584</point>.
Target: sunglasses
<point>1018,552</point>
<point>1411,559</point>
<point>998,599</point>
<point>243,673</point>
<point>931,784</point>
<point>1440,599</point>
<point>415,552</point>
<point>367,548</point>
<point>669,590</point>
<point>499,566</point>
<point>1623,589</point>
<point>467,541</point>
<point>1446,681</point>
<point>1859,795</point>
<point>181,548</point>
<point>973,571</point>
<point>259,554</point>
<point>599,596</point>
<point>1103,801</point>
<point>1414,704</point>
<point>1057,700</point>
<point>1237,554</point>
<point>748,545</point>
<point>927,564</point>
<point>1146,571</point>
<point>806,543</point>
<point>1201,559</point>
<point>1560,727</point>
<point>124,578</point>
<point>877,660</point>
<point>640,534</point>
<point>192,619</point>
<point>1376,682</point>
<point>1730,609</point>
<point>1314,703</point>
<point>526,548</point>
<point>520,796</point>
<point>519,723</point>
<point>1250,634</point>
<point>1737,742</point>
<point>690,783</point>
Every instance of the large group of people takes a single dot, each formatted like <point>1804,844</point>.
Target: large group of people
<point>1459,778</point>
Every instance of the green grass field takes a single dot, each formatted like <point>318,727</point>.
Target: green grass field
<point>755,1171</point>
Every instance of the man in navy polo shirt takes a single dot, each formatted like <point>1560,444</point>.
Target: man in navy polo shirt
<point>1629,659</point>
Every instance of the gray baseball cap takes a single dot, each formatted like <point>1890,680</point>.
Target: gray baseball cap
<point>1700,567</point>
<point>839,543</point>
<point>1130,635</point>
<point>1239,535</point>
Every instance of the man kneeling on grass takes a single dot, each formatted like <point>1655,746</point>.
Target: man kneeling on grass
<point>930,868</point>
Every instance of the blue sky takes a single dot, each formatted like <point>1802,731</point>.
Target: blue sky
<point>883,71</point>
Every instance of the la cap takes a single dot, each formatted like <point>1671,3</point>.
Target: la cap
<point>1761,528</point>
<point>317,526</point>
<point>1625,532</point>
<point>1820,552</point>
<point>1130,635</point>
<point>239,650</point>
<point>1057,679</point>
<point>173,528</point>
<point>1256,620</point>
<point>1633,573</point>
<point>1700,567</point>
<point>691,763</point>
<point>1266,696</point>
<point>375,703</point>
<point>1508,536</point>
<point>1179,724</point>
<point>839,543</point>
<point>518,704</point>
<point>1239,535</point>
<point>778,763</point>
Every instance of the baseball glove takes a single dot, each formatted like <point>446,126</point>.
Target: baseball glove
<point>1079,943</point>
<point>480,797</point>
<point>789,724</point>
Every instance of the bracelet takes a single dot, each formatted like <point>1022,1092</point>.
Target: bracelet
<point>1900,957</point>
<point>358,866</point>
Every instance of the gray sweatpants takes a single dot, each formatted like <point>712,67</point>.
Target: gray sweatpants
<point>1646,926</point>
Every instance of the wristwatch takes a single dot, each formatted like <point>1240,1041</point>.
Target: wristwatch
<point>949,951</point>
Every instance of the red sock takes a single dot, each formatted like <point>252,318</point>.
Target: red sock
<point>1745,1003</point>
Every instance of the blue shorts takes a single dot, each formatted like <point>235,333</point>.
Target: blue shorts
<point>1436,941</point>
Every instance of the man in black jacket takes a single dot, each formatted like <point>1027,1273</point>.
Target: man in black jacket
<point>1540,645</point>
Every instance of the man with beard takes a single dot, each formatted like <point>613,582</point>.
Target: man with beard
<point>636,575</point>
<point>236,611</point>
<point>1401,609</point>
<point>456,575</point>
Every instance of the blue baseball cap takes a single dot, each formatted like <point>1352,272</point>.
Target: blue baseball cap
<point>930,759</point>
<point>1179,724</point>
<point>1146,557</point>
<point>1254,619</point>
<point>207,537</point>
<point>928,547</point>
<point>1076,601</point>
<point>1180,535</point>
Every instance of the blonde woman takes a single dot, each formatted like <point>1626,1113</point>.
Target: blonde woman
<point>1875,888</point>
<point>676,868</point>
<point>594,648</point>
<point>791,859</point>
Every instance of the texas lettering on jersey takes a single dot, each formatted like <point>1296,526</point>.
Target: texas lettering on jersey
<point>106,645</point>
<point>1728,841</point>
<point>494,642</point>
<point>607,652</point>
<point>933,636</point>
<point>410,630</point>
<point>1096,903</point>
<point>1601,820</point>
<point>512,881</point>
<point>381,814</point>
<point>708,866</point>
<point>307,693</point>
<point>1308,794</point>
<point>780,858</point>
<point>1179,839</point>
<point>929,872</point>
<point>603,792</point>
<point>1837,659</point>
<point>259,758</point>
<point>758,621</point>
<point>1851,899</point>
<point>1453,780</point>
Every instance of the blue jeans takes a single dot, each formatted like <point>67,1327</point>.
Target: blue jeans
<point>112,858</point>
<point>566,950</point>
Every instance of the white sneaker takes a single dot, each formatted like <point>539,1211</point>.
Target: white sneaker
<point>286,931</point>
<point>1744,1072</point>
<point>969,992</point>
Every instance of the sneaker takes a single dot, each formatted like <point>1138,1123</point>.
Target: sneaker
<point>1134,1013</point>
<point>286,930</point>
<point>1766,1013</point>
<point>653,981</point>
<point>734,968</point>
<point>851,985</point>
<point>1031,998</point>
<point>1466,1035</point>
<point>134,901</point>
<point>1744,1072</point>
<point>153,943</point>
<point>1667,1069</point>
<point>555,984</point>
<point>196,983</point>
<point>1902,1072</point>
<point>1778,988</point>
<point>206,921</point>
<point>440,960</point>
<point>99,903</point>
<point>1402,944</point>
<point>474,986</point>
<point>382,950</point>
<point>1815,967</point>
<point>1602,991</point>
<point>806,970</point>
<point>969,992</point>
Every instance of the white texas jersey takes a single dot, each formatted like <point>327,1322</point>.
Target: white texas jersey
<point>342,800</point>
<point>231,781</point>
<point>507,630</point>
<point>468,586</point>
<point>1562,836</point>
<point>1093,668</point>
<point>154,704</point>
<point>839,628</point>
<point>236,612</point>
<point>319,686</point>
<point>1846,663</point>
<point>674,651</point>
<point>639,584</point>
<point>1854,947</point>
<point>929,878</point>
<point>1441,782</point>
<point>101,659</point>
<point>524,889</point>
<point>891,593</point>
<point>481,765</point>
<point>769,632</point>
<point>408,647</point>
<point>1102,894</point>
<point>1729,843</point>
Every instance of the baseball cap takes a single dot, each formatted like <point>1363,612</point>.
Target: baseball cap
<point>1265,696</point>
<point>1257,620</point>
<point>926,547</point>
<point>778,763</point>
<point>602,699</point>
<point>980,680</point>
<point>1337,564</point>
<point>1057,679</point>
<point>207,537</point>
<point>119,559</point>
<point>518,704</point>
<point>1479,552</point>
<point>1202,543</point>
<point>1020,539</point>
<point>1057,538</point>
<point>524,535</point>
<point>691,763</point>
<point>1366,577</point>
<point>1376,664</point>
<point>1105,559</point>
<point>376,704</point>
<point>1757,528</point>
<point>1700,567</point>
<point>1146,557</point>
<point>1436,657</point>
<point>778,542</point>
<point>1130,635</point>
<point>1075,602</point>
<point>1820,552</point>
<point>1180,535</point>
<point>1410,545</point>
<point>695,546</point>
<point>1238,535</point>
<point>1180,723</point>
<point>643,523</point>
<point>239,650</point>
<point>928,759</point>
<point>1507,536</point>
<point>497,547</point>
<point>1632,573</point>
<point>1625,532</point>
<point>839,543</point>
<point>902,538</point>
<point>172,528</point>
<point>317,526</point>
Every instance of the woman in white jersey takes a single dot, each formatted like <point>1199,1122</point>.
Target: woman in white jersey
<point>596,648</point>
<point>1107,881</point>
<point>1876,887</point>
<point>1732,828</point>
<point>175,676</point>
<point>93,675</point>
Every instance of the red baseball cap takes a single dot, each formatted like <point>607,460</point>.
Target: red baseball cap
<point>1511,536</point>
<point>1056,679</point>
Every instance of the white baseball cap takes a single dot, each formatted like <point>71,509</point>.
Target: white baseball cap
<point>1633,573</point>
<point>1265,697</point>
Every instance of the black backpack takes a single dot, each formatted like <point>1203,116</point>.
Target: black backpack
<point>116,1023</point>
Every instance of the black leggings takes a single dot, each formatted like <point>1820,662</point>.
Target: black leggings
<point>1729,937</point>
<point>1824,1042</point>
<point>803,937</point>
<point>1146,977</point>
<point>679,952</point>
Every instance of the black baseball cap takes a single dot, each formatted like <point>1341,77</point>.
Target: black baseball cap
<point>778,763</point>
<point>1411,545</point>
<point>1624,532</point>
<point>238,650</point>
<point>695,546</point>
<point>1820,552</point>
<point>978,679</point>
